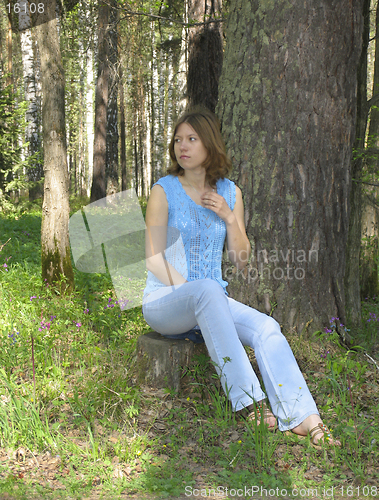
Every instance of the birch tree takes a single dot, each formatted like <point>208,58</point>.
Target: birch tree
<point>30,72</point>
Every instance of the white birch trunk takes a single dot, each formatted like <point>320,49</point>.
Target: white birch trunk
<point>183,66</point>
<point>170,103</point>
<point>32,135</point>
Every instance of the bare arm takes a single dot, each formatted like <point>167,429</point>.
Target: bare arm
<point>156,239</point>
<point>237,242</point>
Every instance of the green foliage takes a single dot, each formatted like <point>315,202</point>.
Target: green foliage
<point>12,128</point>
<point>20,422</point>
<point>86,406</point>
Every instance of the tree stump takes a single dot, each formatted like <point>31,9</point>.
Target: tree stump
<point>160,360</point>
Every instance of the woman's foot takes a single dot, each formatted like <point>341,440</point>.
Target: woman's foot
<point>260,410</point>
<point>319,433</point>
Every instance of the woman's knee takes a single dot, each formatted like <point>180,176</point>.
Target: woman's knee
<point>271,326</point>
<point>209,289</point>
<point>209,285</point>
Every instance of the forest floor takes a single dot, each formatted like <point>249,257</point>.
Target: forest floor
<point>183,447</point>
<point>75,423</point>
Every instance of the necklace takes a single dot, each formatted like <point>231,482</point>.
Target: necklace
<point>194,187</point>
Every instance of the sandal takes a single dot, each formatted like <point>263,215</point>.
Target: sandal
<point>256,416</point>
<point>320,429</point>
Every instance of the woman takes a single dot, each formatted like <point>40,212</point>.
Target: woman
<point>190,214</point>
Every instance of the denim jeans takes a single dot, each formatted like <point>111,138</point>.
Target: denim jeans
<point>227,326</point>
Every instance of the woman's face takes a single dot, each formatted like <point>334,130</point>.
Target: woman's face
<point>189,150</point>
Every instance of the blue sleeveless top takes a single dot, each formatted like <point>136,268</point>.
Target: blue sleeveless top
<point>195,234</point>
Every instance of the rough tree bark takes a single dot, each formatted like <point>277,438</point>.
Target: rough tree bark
<point>98,190</point>
<point>55,246</point>
<point>287,102</point>
<point>205,54</point>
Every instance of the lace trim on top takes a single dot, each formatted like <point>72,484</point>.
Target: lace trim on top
<point>195,234</point>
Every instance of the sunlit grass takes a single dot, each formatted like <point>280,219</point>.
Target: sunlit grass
<point>81,401</point>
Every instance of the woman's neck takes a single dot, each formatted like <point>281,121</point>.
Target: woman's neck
<point>195,180</point>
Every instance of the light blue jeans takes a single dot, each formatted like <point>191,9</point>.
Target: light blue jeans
<point>227,326</point>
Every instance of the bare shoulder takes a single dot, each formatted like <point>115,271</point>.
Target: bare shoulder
<point>239,199</point>
<point>238,192</point>
<point>157,193</point>
<point>157,206</point>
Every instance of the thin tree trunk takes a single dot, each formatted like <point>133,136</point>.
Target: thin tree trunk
<point>55,247</point>
<point>353,249</point>
<point>141,143</point>
<point>1,56</point>
<point>369,284</point>
<point>136,164</point>
<point>111,165</point>
<point>89,120</point>
<point>287,105</point>
<point>32,135</point>
<point>98,190</point>
<point>183,64</point>
<point>369,250</point>
<point>124,174</point>
<point>9,51</point>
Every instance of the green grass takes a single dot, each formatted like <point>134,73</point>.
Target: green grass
<point>68,392</point>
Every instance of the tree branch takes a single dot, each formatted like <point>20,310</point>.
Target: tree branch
<point>371,102</point>
<point>365,182</point>
<point>373,201</point>
<point>130,13</point>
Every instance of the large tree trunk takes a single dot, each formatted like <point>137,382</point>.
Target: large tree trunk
<point>98,190</point>
<point>205,54</point>
<point>287,101</point>
<point>55,247</point>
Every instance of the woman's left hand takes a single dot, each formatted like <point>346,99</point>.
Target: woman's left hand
<point>217,204</point>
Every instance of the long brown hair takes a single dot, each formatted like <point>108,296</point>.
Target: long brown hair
<point>206,125</point>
